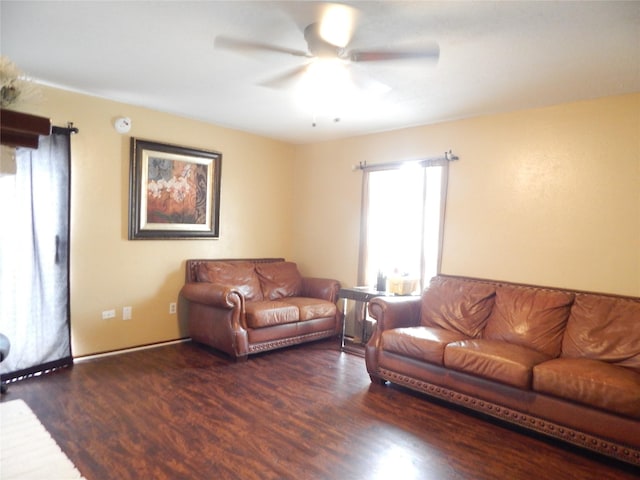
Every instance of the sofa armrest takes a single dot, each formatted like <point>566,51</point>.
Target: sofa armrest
<point>395,312</point>
<point>389,312</point>
<point>323,288</point>
<point>212,294</point>
<point>215,317</point>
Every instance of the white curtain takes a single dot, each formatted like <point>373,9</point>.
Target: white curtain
<point>34,257</point>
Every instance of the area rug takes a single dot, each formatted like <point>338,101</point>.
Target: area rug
<point>27,450</point>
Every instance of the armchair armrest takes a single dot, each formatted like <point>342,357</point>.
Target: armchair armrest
<point>323,288</point>
<point>212,294</point>
<point>395,312</point>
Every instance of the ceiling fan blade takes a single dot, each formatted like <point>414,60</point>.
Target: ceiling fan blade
<point>431,53</point>
<point>337,24</point>
<point>248,46</point>
<point>285,79</point>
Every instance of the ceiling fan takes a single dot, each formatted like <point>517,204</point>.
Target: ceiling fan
<point>328,39</point>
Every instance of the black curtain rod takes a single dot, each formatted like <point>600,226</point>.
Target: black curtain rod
<point>68,130</point>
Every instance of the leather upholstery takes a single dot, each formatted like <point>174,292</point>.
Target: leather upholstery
<point>457,306</point>
<point>279,280</point>
<point>503,362</point>
<point>564,363</point>
<point>532,317</point>
<point>248,306</point>
<point>604,328</point>
<point>423,343</point>
<point>240,276</point>
<point>270,312</point>
<point>310,308</point>
<point>594,383</point>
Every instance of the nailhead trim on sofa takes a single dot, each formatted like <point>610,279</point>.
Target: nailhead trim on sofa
<point>591,442</point>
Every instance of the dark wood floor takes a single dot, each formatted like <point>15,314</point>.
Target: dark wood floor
<point>308,412</point>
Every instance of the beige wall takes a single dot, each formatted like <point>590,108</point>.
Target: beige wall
<point>109,271</point>
<point>548,196</point>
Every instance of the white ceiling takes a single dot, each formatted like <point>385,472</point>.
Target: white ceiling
<point>494,57</point>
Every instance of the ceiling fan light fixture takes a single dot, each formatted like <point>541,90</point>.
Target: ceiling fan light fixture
<point>327,74</point>
<point>337,24</point>
<point>325,87</point>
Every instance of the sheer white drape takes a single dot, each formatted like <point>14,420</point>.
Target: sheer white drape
<point>34,261</point>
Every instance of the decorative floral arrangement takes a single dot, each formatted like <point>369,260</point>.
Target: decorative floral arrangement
<point>14,85</point>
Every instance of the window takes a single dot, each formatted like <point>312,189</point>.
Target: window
<point>402,224</point>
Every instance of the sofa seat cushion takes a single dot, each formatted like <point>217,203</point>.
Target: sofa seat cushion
<point>458,305</point>
<point>279,279</point>
<point>531,317</point>
<point>604,328</point>
<point>311,308</point>
<point>267,313</point>
<point>239,275</point>
<point>423,343</point>
<point>495,360</point>
<point>591,382</point>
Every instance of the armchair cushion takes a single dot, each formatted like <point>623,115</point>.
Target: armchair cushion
<point>279,280</point>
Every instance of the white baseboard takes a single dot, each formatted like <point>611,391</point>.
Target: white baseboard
<point>128,350</point>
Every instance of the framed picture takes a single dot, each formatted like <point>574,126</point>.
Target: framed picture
<point>174,191</point>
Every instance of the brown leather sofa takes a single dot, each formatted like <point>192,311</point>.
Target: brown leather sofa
<point>246,306</point>
<point>562,363</point>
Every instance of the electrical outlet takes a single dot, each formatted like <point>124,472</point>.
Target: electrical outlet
<point>107,314</point>
<point>172,307</point>
<point>126,313</point>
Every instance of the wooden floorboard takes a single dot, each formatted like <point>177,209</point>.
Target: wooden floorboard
<point>306,412</point>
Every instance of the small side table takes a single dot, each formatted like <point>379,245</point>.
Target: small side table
<point>361,296</point>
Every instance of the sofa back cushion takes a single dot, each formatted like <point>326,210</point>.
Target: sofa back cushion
<point>529,316</point>
<point>240,275</point>
<point>279,280</point>
<point>457,305</point>
<point>604,328</point>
